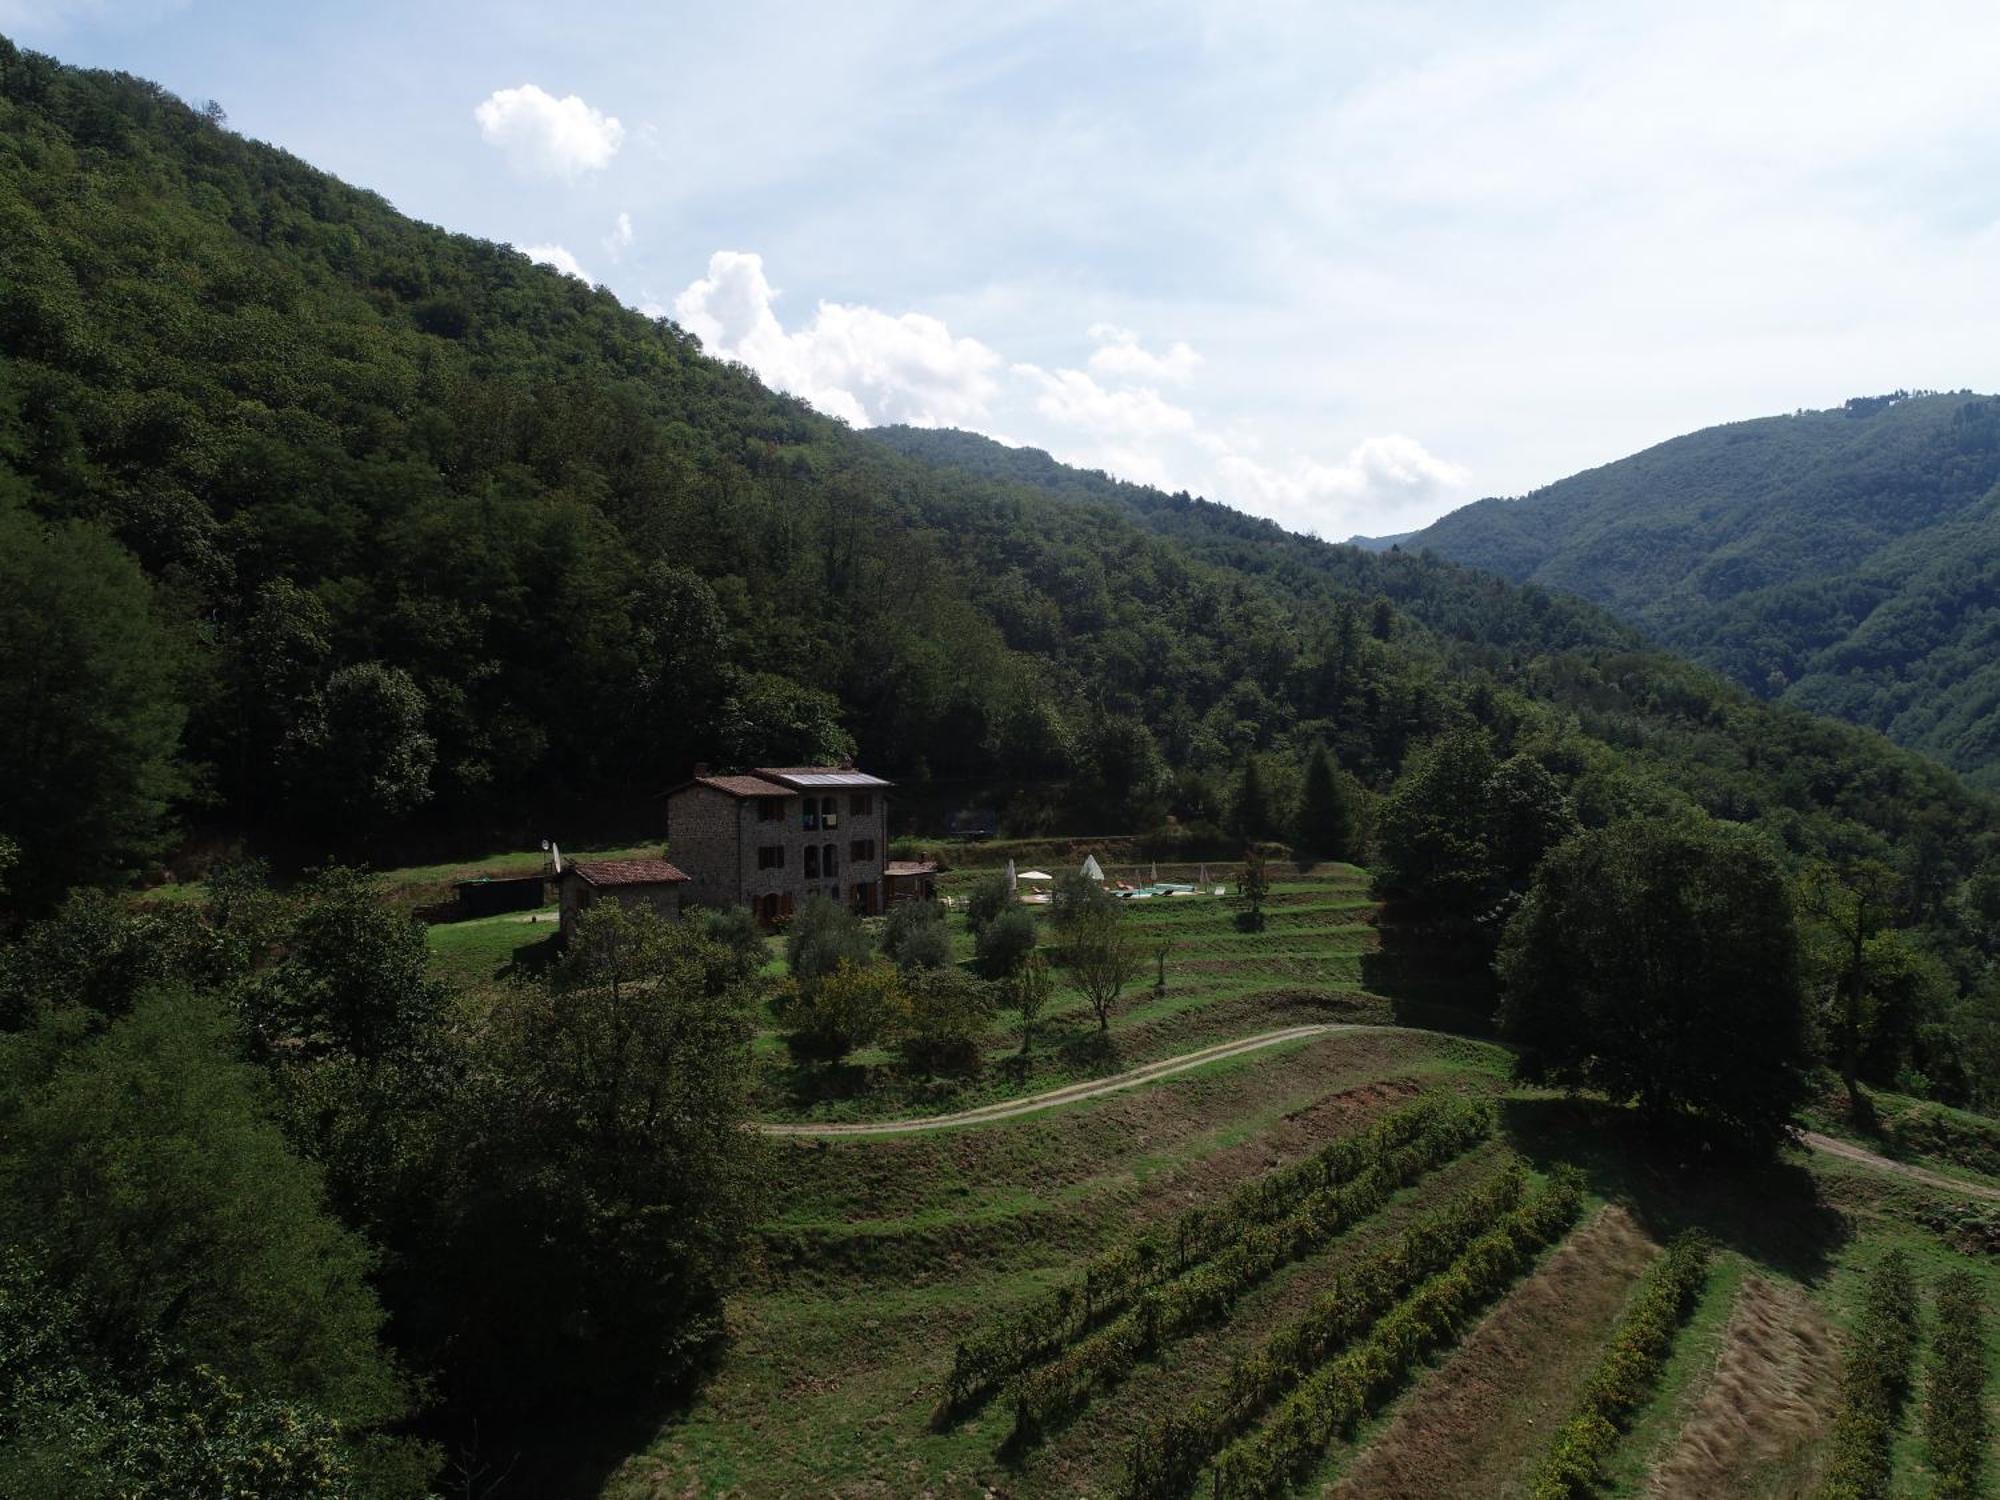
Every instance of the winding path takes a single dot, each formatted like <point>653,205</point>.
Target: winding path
<point>1074,1093</point>
<point>1092,1088</point>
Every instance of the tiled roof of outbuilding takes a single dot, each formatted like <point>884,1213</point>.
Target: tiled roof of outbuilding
<point>627,872</point>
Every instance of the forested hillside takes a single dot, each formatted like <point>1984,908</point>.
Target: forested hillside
<point>324,532</point>
<point>1845,561</point>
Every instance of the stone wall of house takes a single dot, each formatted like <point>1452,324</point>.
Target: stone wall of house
<point>703,843</point>
<point>716,839</point>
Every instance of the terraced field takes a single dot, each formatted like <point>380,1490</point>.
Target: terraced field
<point>1362,1262</point>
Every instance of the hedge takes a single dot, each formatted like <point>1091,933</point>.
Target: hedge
<point>1113,1280</point>
<point>1332,1401</point>
<point>1955,1420</point>
<point>1168,1455</point>
<point>1206,1292</point>
<point>1874,1382</point>
<point>1626,1373</point>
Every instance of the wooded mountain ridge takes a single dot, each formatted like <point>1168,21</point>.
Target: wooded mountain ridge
<point>1845,561</point>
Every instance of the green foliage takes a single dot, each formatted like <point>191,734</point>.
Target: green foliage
<point>1114,1280</point>
<point>735,929</point>
<point>947,1012</point>
<point>1335,1398</point>
<point>93,710</point>
<point>591,1195</point>
<point>988,898</point>
<point>1435,826</point>
<point>354,979</point>
<point>824,935</point>
<point>1658,963</point>
<point>1253,889</point>
<point>139,1166</point>
<point>916,935</point>
<point>1205,1293</point>
<point>1074,895</point>
<point>1168,1454</point>
<point>1841,560</point>
<point>1955,1418</point>
<point>1102,958</point>
<point>1874,1383</point>
<point>364,756</point>
<point>1326,821</point>
<point>1029,992</point>
<point>1005,942</point>
<point>1253,811</point>
<point>854,1005</point>
<point>1625,1373</point>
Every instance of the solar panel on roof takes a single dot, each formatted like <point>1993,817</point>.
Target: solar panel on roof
<point>836,778</point>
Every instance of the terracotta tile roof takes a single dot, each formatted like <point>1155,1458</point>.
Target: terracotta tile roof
<point>745,786</point>
<point>910,867</point>
<point>627,872</point>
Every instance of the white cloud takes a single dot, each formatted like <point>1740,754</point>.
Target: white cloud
<point>544,136</point>
<point>864,366</point>
<point>556,256</point>
<point>1384,485</point>
<point>620,239</point>
<point>1075,399</point>
<point>1119,354</point>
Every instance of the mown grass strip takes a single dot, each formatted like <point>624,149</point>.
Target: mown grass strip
<point>1111,1281</point>
<point>1955,1421</point>
<point>1626,1374</point>
<point>1332,1401</point>
<point>1059,1389</point>
<point>1169,1454</point>
<point>1874,1383</point>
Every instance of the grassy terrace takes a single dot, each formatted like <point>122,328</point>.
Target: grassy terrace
<point>876,1256</point>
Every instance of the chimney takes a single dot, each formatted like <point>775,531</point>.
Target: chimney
<point>701,768</point>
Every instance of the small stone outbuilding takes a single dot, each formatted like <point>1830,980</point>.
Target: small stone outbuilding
<point>651,883</point>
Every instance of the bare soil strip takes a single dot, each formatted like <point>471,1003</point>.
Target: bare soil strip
<point>1772,1392</point>
<point>1478,1425</point>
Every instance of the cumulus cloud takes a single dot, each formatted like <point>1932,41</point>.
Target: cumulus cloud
<point>544,136</point>
<point>1075,399</point>
<point>556,256</point>
<point>620,239</point>
<point>1385,484</point>
<point>856,363</point>
<point>1120,355</point>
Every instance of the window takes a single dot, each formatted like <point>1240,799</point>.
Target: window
<point>829,812</point>
<point>859,850</point>
<point>770,810</point>
<point>771,857</point>
<point>830,859</point>
<point>811,809</point>
<point>861,804</point>
<point>812,861</point>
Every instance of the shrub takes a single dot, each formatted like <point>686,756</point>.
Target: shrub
<point>1625,1374</point>
<point>1874,1382</point>
<point>916,937</point>
<point>856,1004</point>
<point>824,935</point>
<point>734,929</point>
<point>947,1013</point>
<point>1955,1421</point>
<point>1005,942</point>
<point>987,899</point>
<point>1074,896</point>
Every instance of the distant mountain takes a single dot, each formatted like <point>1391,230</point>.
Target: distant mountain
<point>1845,561</point>
<point>1379,543</point>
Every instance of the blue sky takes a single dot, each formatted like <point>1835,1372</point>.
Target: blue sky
<point>1344,265</point>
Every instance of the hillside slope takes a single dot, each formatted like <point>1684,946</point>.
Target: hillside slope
<point>1847,561</point>
<point>442,540</point>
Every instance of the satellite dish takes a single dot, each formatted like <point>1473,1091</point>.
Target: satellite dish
<point>545,846</point>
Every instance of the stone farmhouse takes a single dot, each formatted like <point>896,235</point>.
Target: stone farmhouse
<point>775,835</point>
<point>651,883</point>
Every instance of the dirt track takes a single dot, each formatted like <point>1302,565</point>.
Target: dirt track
<point>1076,1092</point>
<point>1093,1088</point>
